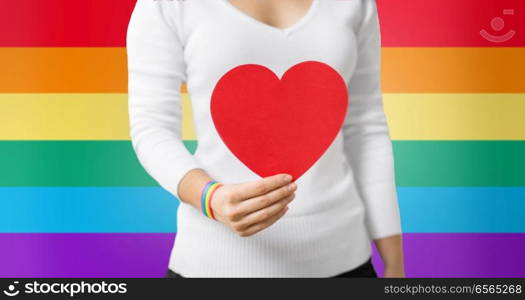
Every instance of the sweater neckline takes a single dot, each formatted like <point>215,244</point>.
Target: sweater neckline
<point>287,30</point>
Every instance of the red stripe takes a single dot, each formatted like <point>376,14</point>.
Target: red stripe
<point>449,23</point>
<point>404,23</point>
<point>63,23</point>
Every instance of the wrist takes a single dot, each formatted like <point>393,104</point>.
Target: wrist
<point>207,196</point>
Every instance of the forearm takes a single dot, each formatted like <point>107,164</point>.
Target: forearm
<point>391,250</point>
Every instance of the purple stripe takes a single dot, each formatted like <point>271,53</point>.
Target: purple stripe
<point>461,255</point>
<point>85,254</point>
<point>147,254</point>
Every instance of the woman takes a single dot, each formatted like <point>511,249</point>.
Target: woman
<point>251,58</point>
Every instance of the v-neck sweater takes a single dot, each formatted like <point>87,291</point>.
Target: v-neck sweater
<point>344,200</point>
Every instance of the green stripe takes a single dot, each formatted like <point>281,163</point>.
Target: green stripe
<point>73,163</point>
<point>460,163</point>
<point>113,163</point>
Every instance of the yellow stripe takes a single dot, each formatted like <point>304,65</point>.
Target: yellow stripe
<point>188,128</point>
<point>64,117</point>
<point>410,116</point>
<point>455,116</point>
<point>73,117</point>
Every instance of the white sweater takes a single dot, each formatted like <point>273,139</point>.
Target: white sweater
<point>344,199</point>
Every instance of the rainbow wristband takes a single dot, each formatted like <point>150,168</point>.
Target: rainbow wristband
<point>206,197</point>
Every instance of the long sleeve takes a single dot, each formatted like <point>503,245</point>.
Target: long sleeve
<point>367,143</point>
<point>156,69</point>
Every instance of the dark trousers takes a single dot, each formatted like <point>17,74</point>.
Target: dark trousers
<point>364,270</point>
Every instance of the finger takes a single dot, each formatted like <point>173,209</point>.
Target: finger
<point>254,204</point>
<point>263,225</point>
<point>263,214</point>
<point>262,186</point>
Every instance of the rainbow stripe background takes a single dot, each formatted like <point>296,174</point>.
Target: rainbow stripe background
<point>75,202</point>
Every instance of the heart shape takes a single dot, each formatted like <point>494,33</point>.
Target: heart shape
<point>277,125</point>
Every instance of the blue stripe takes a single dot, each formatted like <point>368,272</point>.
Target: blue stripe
<point>462,209</point>
<point>81,209</point>
<point>152,209</point>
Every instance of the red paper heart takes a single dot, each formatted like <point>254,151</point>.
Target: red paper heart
<point>277,125</point>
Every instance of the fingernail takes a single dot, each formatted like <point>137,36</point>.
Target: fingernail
<point>287,178</point>
<point>292,186</point>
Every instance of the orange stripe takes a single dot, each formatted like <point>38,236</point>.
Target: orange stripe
<point>184,88</point>
<point>57,70</point>
<point>404,70</point>
<point>453,70</point>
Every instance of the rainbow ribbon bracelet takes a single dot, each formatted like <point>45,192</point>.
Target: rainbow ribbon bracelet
<point>206,197</point>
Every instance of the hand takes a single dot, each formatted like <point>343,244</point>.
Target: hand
<point>394,272</point>
<point>250,207</point>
